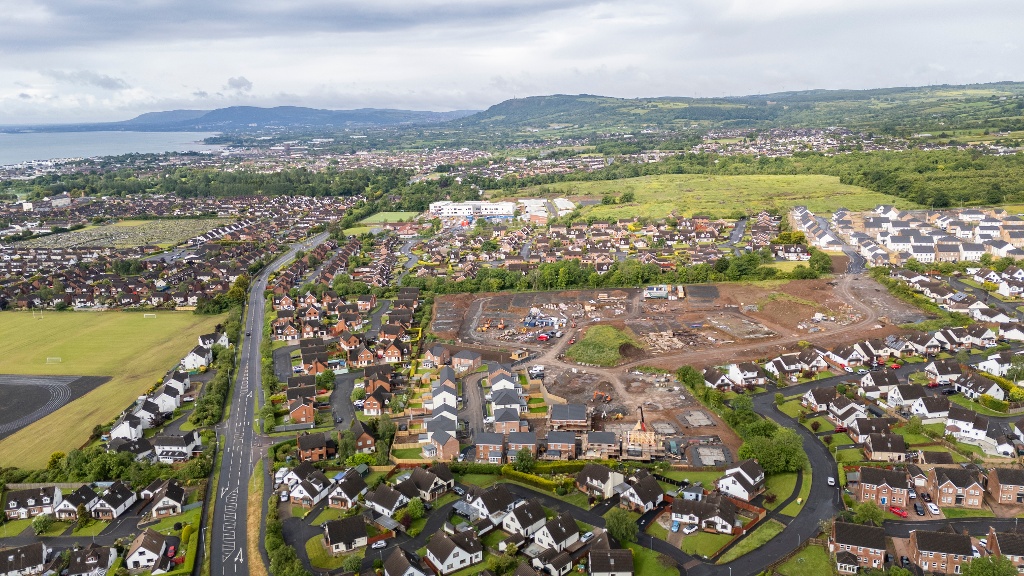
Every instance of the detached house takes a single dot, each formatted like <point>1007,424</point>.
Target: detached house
<point>714,513</point>
<point>385,500</point>
<point>116,500</point>
<point>449,554</point>
<point>1006,485</point>
<point>598,480</point>
<point>743,481</point>
<point>525,518</point>
<point>905,394</point>
<point>559,533</point>
<point>67,509</point>
<point>347,490</point>
<point>32,502</point>
<point>146,551</point>
<point>883,487</point>
<point>956,487</point>
<point>643,494</point>
<point>345,535</point>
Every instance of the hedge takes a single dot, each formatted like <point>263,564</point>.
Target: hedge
<point>474,468</point>
<point>993,403</point>
<point>511,473</point>
<point>571,467</point>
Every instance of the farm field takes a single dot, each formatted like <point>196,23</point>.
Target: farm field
<point>381,217</point>
<point>131,233</point>
<point>133,350</point>
<point>718,196</point>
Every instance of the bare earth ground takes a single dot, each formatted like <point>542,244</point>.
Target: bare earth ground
<point>715,324</point>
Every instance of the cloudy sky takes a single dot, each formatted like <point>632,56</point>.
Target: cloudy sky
<point>98,60</point>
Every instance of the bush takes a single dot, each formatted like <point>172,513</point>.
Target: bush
<point>993,403</point>
<point>533,480</point>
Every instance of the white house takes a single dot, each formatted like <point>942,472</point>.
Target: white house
<point>385,500</point>
<point>559,533</point>
<point>743,481</point>
<point>199,356</point>
<point>345,535</point>
<point>449,554</point>
<point>145,551</point>
<point>525,518</point>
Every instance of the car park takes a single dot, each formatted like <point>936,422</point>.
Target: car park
<point>934,509</point>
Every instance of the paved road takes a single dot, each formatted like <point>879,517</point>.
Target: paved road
<point>240,447</point>
<point>736,235</point>
<point>473,402</point>
<point>1008,308</point>
<point>857,262</point>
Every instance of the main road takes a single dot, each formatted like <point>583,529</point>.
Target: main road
<point>240,447</point>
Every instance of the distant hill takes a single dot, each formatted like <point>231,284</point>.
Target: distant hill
<point>242,118</point>
<point>997,105</point>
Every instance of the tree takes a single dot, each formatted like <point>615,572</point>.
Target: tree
<point>779,399</point>
<point>868,513</point>
<point>820,262</point>
<point>42,523</point>
<point>346,445</point>
<point>989,566</point>
<point>963,357</point>
<point>815,425</point>
<point>415,509</point>
<point>325,380</point>
<point>503,565</point>
<point>386,429</point>
<point>358,394</point>
<point>620,526</point>
<point>83,517</point>
<point>899,571</point>
<point>524,460</point>
<point>626,197</point>
<point>1016,371</point>
<point>914,425</point>
<point>781,452</point>
<point>691,377</point>
<point>353,563</point>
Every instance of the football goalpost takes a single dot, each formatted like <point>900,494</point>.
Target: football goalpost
<point>148,315</point>
<point>53,360</point>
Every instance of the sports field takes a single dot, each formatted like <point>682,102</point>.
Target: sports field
<point>719,196</point>
<point>381,217</point>
<point>133,350</point>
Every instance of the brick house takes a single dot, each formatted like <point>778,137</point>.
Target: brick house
<point>883,487</point>
<point>315,447</point>
<point>939,552</point>
<point>865,543</point>
<point>956,487</point>
<point>1006,485</point>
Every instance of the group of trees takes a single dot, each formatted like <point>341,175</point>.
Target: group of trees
<point>210,406</point>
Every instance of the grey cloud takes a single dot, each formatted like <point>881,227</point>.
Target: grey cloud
<point>25,96</point>
<point>240,83</point>
<point>88,78</point>
<point>201,94</point>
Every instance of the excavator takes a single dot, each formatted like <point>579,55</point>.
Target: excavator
<point>601,396</point>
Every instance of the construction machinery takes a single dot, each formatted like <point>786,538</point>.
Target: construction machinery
<point>485,326</point>
<point>501,324</point>
<point>601,396</point>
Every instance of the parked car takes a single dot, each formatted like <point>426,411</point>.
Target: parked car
<point>983,542</point>
<point>918,509</point>
<point>898,511</point>
<point>926,496</point>
<point>172,549</point>
<point>586,537</point>
<point>934,509</point>
<point>895,366</point>
<point>913,493</point>
<point>460,491</point>
<point>831,481</point>
<point>904,561</point>
<point>862,371</point>
<point>949,391</point>
<point>690,529</point>
<point>379,544</point>
<point>933,384</point>
<point>675,526</point>
<point>975,552</point>
<point>489,420</point>
<point>840,428</point>
<point>848,369</point>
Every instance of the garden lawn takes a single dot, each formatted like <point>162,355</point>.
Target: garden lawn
<point>759,537</point>
<point>647,561</point>
<point>849,455</point>
<point>408,453</point>
<point>480,480</point>
<point>166,525</point>
<point>327,515</point>
<point>952,513</point>
<point>14,527</point>
<point>958,399</point>
<point>601,345</point>
<point>782,485</point>
<point>382,217</point>
<point>132,350</point>
<point>792,408</point>
<point>319,557</point>
<point>824,424</point>
<point>491,539</point>
<point>704,543</point>
<point>810,560</point>
<point>705,477</point>
<point>841,439</point>
<point>56,529</point>
<point>93,529</point>
<point>794,507</point>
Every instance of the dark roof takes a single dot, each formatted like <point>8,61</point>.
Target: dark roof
<point>648,490</point>
<point>886,443</point>
<point>1013,476</point>
<point>522,438</point>
<point>561,527</point>
<point>83,495</point>
<point>568,412</point>
<point>497,498</point>
<point>860,535</point>
<point>617,560</point>
<point>936,457</point>
<point>561,437</point>
<point>528,512</point>
<point>604,437</point>
<point>351,484</point>
<point>490,438</point>
<point>88,559</point>
<point>117,494</point>
<point>880,476</point>
<point>22,558</point>
<point>1010,543</point>
<point>312,441</point>
<point>345,531</point>
<point>441,470</point>
<point>959,477</point>
<point>525,569</point>
<point>947,542</point>
<point>911,392</point>
<point>384,495</point>
<point>397,563</point>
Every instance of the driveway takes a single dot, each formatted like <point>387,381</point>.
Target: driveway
<point>473,402</point>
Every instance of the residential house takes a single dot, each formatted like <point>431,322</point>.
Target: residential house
<point>522,441</point>
<point>27,560</point>
<point>67,509</point>
<point>398,564</point>
<point>569,417</point>
<point>974,386</point>
<point>385,500</point>
<point>490,447</point>
<point>345,535</point>
<point>347,490</point>
<point>146,551</point>
<point>174,448</point>
<point>943,371</point>
<point>197,358</point>
<point>885,448</point>
<point>818,399</point>
<point>167,497</point>
<point>864,544</point>
<point>114,502</point>
<point>311,490</point>
<point>744,481</point>
<point>939,552</point>
<point>600,446</point>
<point>314,447</point>
<point>1008,544</point>
<point>610,562</point>
<point>713,513</point>
<point>1006,485</point>
<point>492,503</point>
<point>883,487</point>
<point>32,502</point>
<point>958,487</point>
<point>931,409</point>
<point>560,445</point>
<point>558,533</point>
<point>643,494</point>
<point>93,560</point>
<point>448,554</point>
<point>598,480</point>
<point>525,518</point>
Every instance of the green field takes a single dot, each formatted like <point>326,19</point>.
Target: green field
<point>688,194</point>
<point>754,540</point>
<point>133,350</point>
<point>810,560</point>
<point>382,217</point>
<point>601,346</point>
